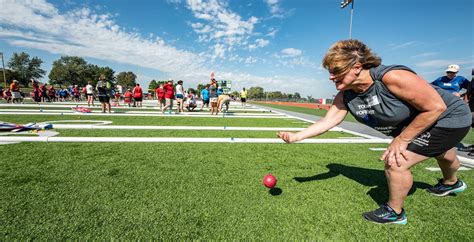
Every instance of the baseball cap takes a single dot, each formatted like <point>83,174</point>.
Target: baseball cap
<point>452,68</point>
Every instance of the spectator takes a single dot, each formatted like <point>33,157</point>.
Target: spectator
<point>15,91</point>
<point>451,82</point>
<point>205,96</point>
<point>137,96</point>
<point>160,94</point>
<point>104,98</point>
<point>76,93</point>
<point>213,96</point>
<point>128,97</point>
<point>180,96</point>
<point>90,94</point>
<point>243,97</point>
<point>35,92</point>
<point>51,94</point>
<point>223,100</point>
<point>7,95</point>
<point>169,96</point>
<point>191,102</point>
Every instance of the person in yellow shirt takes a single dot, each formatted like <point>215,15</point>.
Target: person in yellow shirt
<point>243,97</point>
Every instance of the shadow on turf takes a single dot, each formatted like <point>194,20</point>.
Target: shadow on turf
<point>364,176</point>
<point>275,191</point>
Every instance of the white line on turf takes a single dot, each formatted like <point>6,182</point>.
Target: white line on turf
<point>92,126</point>
<point>187,139</point>
<point>131,112</point>
<point>462,168</point>
<point>141,115</point>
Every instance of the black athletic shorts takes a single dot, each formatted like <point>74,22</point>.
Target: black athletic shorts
<point>104,98</point>
<point>243,99</point>
<point>435,141</point>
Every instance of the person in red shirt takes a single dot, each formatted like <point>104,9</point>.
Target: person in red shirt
<point>52,93</point>
<point>160,94</point>
<point>76,94</point>
<point>169,95</point>
<point>137,95</point>
<point>7,95</point>
<point>127,97</point>
<point>35,92</point>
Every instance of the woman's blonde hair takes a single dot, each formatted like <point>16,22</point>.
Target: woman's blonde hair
<point>345,53</point>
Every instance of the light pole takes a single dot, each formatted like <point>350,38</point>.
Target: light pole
<point>344,3</point>
<point>3,70</point>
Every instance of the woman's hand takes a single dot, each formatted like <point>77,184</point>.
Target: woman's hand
<point>288,137</point>
<point>396,152</point>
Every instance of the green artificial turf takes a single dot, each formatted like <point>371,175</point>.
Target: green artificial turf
<point>170,191</point>
<point>312,111</point>
<point>184,133</point>
<point>175,120</point>
<point>125,109</point>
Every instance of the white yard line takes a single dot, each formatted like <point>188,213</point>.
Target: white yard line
<point>131,127</point>
<point>72,105</point>
<point>130,112</point>
<point>462,168</point>
<point>141,115</point>
<point>187,139</point>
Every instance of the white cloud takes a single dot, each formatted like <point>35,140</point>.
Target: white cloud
<point>272,32</point>
<point>219,50</point>
<point>82,32</point>
<point>274,7</point>
<point>221,25</point>
<point>250,60</point>
<point>427,54</point>
<point>441,63</point>
<point>39,25</point>
<point>403,45</point>
<point>259,43</point>
<point>291,52</point>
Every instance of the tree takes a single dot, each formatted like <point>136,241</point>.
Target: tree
<point>94,72</point>
<point>153,85</point>
<point>255,92</point>
<point>200,87</point>
<point>26,68</point>
<point>127,79</point>
<point>9,75</point>
<point>297,95</point>
<point>70,70</point>
<point>192,90</point>
<point>235,94</point>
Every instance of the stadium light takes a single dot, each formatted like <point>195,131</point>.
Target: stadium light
<point>3,70</point>
<point>344,3</point>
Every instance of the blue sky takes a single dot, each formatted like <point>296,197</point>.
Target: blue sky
<point>275,44</point>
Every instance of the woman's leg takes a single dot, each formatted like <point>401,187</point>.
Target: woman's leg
<point>449,164</point>
<point>400,180</point>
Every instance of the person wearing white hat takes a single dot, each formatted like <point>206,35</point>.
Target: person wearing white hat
<point>451,82</point>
